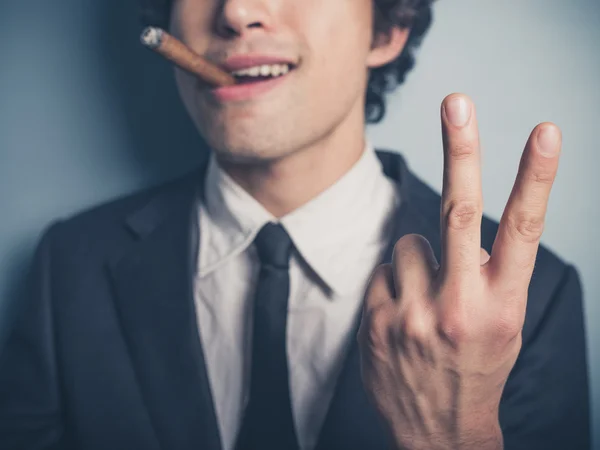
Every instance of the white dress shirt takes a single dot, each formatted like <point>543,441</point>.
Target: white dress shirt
<point>339,238</point>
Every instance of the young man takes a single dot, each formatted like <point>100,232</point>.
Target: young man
<point>221,311</point>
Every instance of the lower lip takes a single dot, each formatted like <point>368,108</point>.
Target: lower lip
<point>247,91</point>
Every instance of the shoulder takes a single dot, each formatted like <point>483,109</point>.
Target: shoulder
<point>104,228</point>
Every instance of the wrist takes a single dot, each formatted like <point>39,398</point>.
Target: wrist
<point>479,435</point>
<point>488,437</point>
<point>482,432</point>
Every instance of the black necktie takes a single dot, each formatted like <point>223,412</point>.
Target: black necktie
<point>268,421</point>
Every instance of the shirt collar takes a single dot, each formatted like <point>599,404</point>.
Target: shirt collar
<point>352,216</point>
<point>329,232</point>
<point>229,219</point>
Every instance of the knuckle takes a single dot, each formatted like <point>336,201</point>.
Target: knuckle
<point>381,273</point>
<point>411,240</point>
<point>507,327</point>
<point>526,227</point>
<point>509,323</point>
<point>541,177</point>
<point>463,214</point>
<point>376,332</point>
<point>454,329</point>
<point>461,150</point>
<point>380,289</point>
<point>415,324</point>
<point>409,246</point>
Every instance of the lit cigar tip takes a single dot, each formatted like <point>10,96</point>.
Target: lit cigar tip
<point>152,37</point>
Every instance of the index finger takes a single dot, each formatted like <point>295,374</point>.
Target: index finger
<point>462,203</point>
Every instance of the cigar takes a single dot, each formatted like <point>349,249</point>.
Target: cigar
<point>180,54</point>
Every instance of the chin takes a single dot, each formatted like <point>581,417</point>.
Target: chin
<point>247,154</point>
<point>241,146</point>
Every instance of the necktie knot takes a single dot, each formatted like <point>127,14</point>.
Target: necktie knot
<point>274,246</point>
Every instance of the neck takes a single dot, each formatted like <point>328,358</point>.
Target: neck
<point>287,183</point>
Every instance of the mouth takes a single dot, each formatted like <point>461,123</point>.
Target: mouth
<point>254,81</point>
<point>262,72</point>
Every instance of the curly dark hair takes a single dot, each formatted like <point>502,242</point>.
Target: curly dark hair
<point>413,14</point>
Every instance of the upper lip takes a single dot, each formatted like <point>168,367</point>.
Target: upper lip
<point>241,62</point>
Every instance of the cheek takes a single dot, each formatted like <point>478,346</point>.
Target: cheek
<point>188,93</point>
<point>189,21</point>
<point>338,58</point>
<point>338,34</point>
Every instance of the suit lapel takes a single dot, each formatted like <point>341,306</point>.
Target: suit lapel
<point>419,211</point>
<point>352,422</point>
<point>154,300</point>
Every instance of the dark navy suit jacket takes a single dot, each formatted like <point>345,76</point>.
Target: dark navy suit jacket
<point>106,355</point>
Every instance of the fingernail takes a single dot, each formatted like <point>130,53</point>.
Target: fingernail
<point>547,139</point>
<point>458,111</point>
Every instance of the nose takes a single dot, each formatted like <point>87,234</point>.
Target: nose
<point>239,17</point>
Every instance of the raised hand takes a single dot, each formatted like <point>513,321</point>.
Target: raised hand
<point>438,340</point>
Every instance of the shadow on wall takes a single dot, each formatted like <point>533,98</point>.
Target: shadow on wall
<point>164,141</point>
<point>159,143</point>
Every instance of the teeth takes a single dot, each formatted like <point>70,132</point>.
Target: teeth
<point>273,70</point>
<point>265,70</point>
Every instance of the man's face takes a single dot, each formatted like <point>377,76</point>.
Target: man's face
<point>326,47</point>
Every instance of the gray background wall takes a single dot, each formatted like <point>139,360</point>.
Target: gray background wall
<point>86,115</point>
